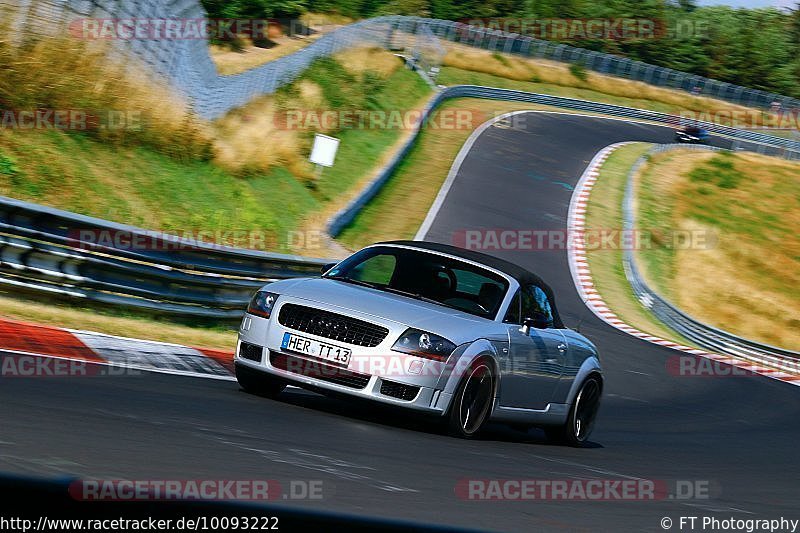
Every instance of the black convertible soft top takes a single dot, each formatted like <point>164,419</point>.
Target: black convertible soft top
<point>523,276</point>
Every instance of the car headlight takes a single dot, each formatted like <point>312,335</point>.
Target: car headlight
<point>262,303</point>
<point>424,344</point>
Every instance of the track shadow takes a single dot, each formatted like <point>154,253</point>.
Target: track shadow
<point>396,417</point>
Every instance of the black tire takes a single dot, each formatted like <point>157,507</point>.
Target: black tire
<point>582,415</point>
<point>258,383</point>
<point>472,402</point>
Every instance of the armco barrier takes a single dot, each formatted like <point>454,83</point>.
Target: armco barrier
<point>41,252</point>
<point>708,337</point>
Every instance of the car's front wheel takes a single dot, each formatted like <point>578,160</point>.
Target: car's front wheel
<point>472,402</point>
<point>258,383</point>
<point>582,414</point>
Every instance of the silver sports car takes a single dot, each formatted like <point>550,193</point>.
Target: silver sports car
<point>459,334</point>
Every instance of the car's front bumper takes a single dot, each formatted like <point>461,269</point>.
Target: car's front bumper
<point>378,374</point>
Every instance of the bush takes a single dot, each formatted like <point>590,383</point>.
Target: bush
<point>8,166</point>
<point>579,71</point>
<point>720,170</point>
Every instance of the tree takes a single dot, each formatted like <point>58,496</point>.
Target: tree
<point>254,9</point>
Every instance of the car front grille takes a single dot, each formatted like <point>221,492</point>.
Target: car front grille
<point>399,390</point>
<point>313,369</point>
<point>251,352</point>
<point>331,325</point>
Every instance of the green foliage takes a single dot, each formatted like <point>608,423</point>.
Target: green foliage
<point>758,48</point>
<point>502,59</point>
<point>720,171</point>
<point>8,167</point>
<point>254,8</point>
<point>579,71</point>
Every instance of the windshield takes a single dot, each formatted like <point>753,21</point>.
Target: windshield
<point>425,276</point>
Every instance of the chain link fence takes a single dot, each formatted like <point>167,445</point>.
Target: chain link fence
<point>187,65</point>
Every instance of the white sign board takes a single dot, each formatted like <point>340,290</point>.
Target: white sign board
<point>324,151</point>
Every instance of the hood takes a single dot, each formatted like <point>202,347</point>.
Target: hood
<point>455,325</point>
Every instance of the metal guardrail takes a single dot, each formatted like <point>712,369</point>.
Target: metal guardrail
<point>739,139</point>
<point>703,335</point>
<point>44,250</point>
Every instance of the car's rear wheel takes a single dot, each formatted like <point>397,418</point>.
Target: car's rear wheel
<point>472,401</point>
<point>258,383</point>
<point>582,415</point>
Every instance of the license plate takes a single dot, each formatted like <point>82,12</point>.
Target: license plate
<point>319,350</point>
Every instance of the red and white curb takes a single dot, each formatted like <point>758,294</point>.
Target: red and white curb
<point>46,341</point>
<point>581,275</point>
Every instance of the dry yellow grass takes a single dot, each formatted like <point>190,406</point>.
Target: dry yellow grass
<point>230,62</point>
<point>749,281</point>
<point>544,71</point>
<point>253,137</point>
<point>359,60</point>
<point>60,73</point>
<point>324,21</point>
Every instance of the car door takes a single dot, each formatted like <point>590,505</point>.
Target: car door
<point>536,357</point>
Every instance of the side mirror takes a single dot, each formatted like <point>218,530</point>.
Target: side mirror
<point>539,321</point>
<point>327,267</point>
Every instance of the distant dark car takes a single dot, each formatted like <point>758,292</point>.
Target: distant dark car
<point>692,135</point>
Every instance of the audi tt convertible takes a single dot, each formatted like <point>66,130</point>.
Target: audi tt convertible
<point>464,336</point>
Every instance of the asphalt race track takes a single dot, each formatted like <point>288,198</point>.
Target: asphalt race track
<point>739,434</point>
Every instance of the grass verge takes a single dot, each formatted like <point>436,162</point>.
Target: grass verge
<point>740,270</point>
<point>115,323</point>
<point>262,193</point>
<point>561,79</point>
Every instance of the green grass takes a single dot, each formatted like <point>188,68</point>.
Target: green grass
<point>360,149</point>
<point>744,276</point>
<point>145,188</point>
